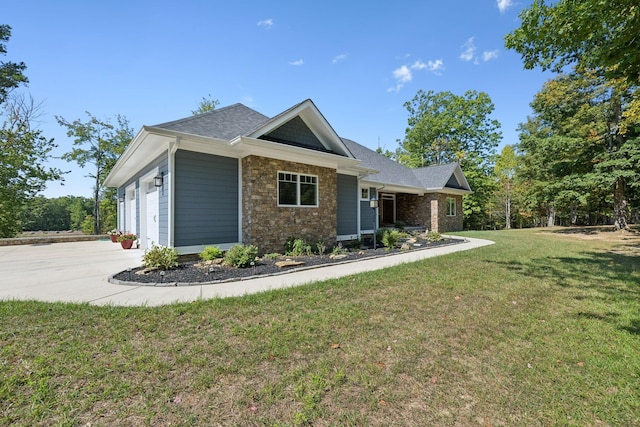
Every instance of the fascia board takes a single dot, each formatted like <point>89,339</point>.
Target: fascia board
<point>447,190</point>
<point>249,146</point>
<point>109,181</point>
<point>127,165</point>
<point>316,122</point>
<point>383,187</point>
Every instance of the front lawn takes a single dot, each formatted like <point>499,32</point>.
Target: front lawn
<point>540,329</point>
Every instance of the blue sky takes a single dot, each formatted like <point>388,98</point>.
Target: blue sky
<point>154,61</point>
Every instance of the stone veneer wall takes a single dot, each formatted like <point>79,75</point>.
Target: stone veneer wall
<point>413,210</point>
<point>430,211</point>
<point>267,225</point>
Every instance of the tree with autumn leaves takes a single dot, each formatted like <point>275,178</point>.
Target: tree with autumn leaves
<point>581,148</point>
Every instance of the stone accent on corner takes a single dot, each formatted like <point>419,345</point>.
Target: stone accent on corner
<point>440,218</point>
<point>267,225</point>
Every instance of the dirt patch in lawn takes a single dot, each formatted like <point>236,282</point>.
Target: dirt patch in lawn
<point>628,240</point>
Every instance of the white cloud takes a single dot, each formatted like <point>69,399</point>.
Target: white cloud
<point>266,24</point>
<point>297,63</point>
<point>489,55</point>
<point>504,5</point>
<point>402,75</point>
<point>432,66</point>
<point>469,51</point>
<point>339,58</point>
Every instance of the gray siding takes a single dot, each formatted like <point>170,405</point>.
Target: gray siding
<point>296,131</point>
<point>206,199</point>
<point>366,213</point>
<point>162,163</point>
<point>347,205</point>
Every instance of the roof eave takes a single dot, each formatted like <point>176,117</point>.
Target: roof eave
<point>247,146</point>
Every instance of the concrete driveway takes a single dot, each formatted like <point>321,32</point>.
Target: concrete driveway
<point>78,272</point>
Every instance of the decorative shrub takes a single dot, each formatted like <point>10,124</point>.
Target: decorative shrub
<point>241,256</point>
<point>161,257</point>
<point>297,247</point>
<point>210,253</point>
<point>432,236</point>
<point>380,233</point>
<point>321,247</point>
<point>390,238</point>
<point>338,250</point>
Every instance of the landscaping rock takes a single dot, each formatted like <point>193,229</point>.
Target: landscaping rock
<point>289,263</point>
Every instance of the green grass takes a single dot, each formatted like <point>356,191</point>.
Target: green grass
<point>539,329</point>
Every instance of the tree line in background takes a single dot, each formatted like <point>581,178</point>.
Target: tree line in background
<point>578,157</point>
<point>577,161</point>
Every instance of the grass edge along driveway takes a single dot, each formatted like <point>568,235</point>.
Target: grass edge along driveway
<point>542,328</point>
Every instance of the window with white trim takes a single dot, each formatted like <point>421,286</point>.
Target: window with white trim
<point>451,206</point>
<point>364,193</point>
<point>296,189</point>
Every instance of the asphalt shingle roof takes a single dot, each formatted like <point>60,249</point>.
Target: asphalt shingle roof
<point>225,123</point>
<point>436,176</point>
<point>236,120</point>
<point>390,172</point>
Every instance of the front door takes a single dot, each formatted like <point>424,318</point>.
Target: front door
<point>153,229</point>
<point>387,205</point>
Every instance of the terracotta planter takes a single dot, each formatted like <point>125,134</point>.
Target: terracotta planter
<point>114,238</point>
<point>126,244</point>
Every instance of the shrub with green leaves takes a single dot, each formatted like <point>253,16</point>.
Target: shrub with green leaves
<point>210,253</point>
<point>321,247</point>
<point>338,250</point>
<point>297,247</point>
<point>432,236</point>
<point>161,257</point>
<point>241,256</point>
<point>390,238</point>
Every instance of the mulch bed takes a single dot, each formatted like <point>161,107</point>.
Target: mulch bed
<point>189,273</point>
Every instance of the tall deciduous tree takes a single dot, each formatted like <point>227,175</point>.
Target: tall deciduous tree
<point>11,73</point>
<point>505,170</point>
<point>444,127</point>
<point>98,143</point>
<point>24,152</point>
<point>577,140</point>
<point>590,34</point>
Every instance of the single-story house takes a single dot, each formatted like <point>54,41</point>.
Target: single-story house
<point>233,175</point>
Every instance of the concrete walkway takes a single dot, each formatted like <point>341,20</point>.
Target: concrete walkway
<point>78,272</point>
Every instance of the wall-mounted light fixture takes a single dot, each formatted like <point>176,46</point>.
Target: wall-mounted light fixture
<point>157,180</point>
<point>373,203</point>
<point>121,198</point>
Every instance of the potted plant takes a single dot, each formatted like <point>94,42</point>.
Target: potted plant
<point>126,240</point>
<point>114,234</point>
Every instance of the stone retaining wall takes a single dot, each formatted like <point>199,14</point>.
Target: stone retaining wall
<point>38,240</point>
